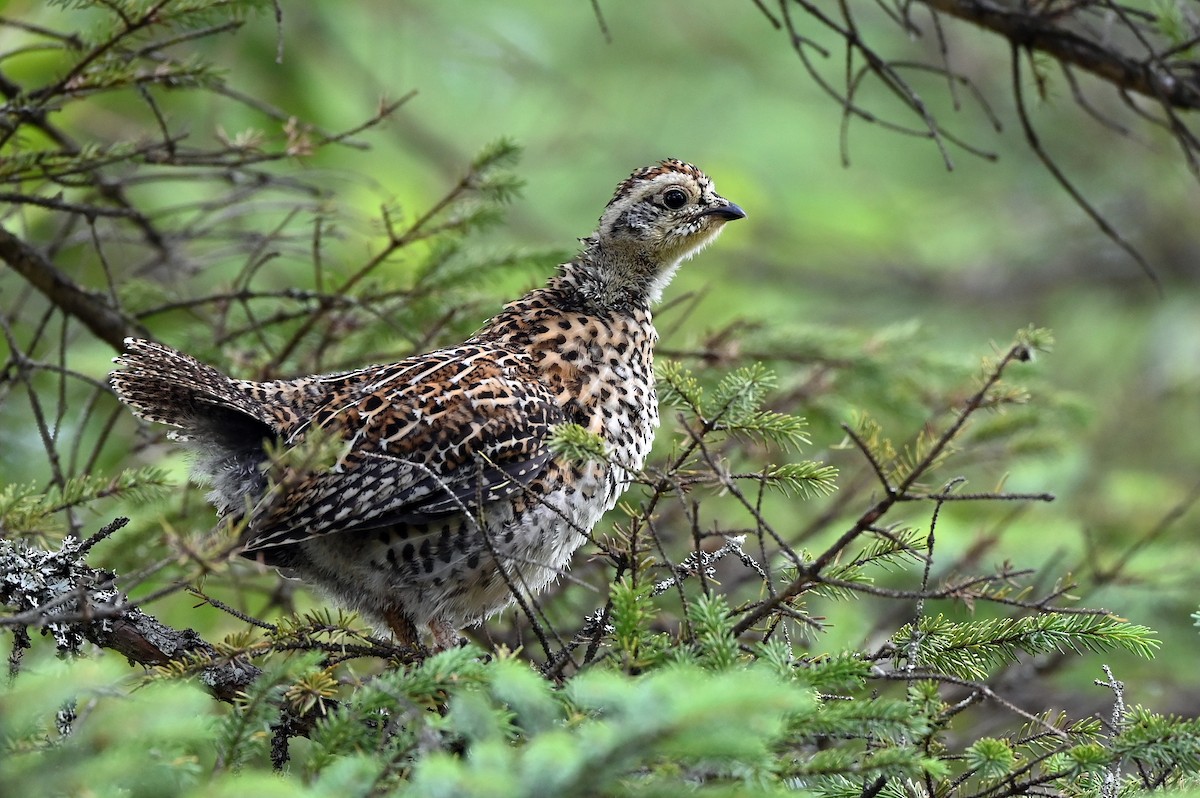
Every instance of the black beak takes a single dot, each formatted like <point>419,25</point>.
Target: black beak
<point>728,212</point>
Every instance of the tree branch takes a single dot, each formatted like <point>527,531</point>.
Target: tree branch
<point>92,308</point>
<point>1024,27</point>
<point>145,640</point>
<point>59,592</point>
<point>810,574</point>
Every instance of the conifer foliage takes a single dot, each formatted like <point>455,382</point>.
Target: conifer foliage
<point>692,651</point>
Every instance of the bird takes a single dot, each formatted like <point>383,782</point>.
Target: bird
<point>443,499</point>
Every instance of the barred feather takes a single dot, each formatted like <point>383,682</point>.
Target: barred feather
<point>445,490</point>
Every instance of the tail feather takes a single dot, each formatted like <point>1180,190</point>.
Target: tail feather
<point>163,385</point>
<point>223,425</point>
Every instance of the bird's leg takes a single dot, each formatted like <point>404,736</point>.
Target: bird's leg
<point>445,636</point>
<point>402,627</point>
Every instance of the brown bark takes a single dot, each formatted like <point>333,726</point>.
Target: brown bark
<point>89,307</point>
<point>1025,27</point>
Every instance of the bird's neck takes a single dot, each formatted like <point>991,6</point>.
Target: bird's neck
<point>614,278</point>
<point>580,288</point>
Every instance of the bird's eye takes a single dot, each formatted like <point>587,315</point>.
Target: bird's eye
<point>675,198</point>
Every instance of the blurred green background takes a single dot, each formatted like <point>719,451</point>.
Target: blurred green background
<point>946,262</point>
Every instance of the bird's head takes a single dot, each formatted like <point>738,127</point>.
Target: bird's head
<point>659,216</point>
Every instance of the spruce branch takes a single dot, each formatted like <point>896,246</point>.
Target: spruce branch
<point>809,574</point>
<point>973,649</point>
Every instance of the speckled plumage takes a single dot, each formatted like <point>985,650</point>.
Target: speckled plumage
<point>445,477</point>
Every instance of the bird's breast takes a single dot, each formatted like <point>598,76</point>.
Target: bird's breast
<point>601,371</point>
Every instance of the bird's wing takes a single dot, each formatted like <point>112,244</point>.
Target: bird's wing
<point>441,433</point>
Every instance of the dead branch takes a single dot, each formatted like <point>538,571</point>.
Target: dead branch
<point>1041,27</point>
<point>90,307</point>
<point>59,593</point>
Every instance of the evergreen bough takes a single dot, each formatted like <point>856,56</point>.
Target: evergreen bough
<point>699,667</point>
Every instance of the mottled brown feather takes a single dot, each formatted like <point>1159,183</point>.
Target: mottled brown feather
<point>430,435</point>
<point>446,496</point>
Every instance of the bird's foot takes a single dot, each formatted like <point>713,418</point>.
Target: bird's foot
<point>445,636</point>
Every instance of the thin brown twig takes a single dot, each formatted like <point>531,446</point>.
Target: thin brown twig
<point>1060,177</point>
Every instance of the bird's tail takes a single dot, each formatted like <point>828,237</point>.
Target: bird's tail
<point>163,385</point>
